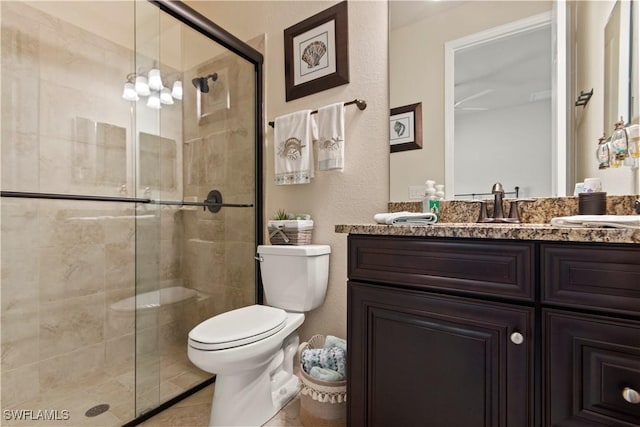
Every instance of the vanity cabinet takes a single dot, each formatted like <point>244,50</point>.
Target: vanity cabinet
<point>481,332</point>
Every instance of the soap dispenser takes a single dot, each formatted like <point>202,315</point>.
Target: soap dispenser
<point>429,195</point>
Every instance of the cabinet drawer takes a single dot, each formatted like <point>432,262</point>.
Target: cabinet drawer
<point>589,362</point>
<point>601,278</point>
<point>486,268</point>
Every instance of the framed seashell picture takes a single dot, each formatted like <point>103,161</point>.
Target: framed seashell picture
<point>405,128</point>
<point>316,53</point>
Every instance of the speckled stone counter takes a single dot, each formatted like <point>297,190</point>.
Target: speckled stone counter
<point>458,220</point>
<point>544,232</point>
<point>540,211</point>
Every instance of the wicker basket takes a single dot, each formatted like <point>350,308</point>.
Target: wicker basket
<point>322,403</point>
<point>290,232</point>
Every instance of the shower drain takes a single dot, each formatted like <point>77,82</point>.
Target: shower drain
<point>97,410</point>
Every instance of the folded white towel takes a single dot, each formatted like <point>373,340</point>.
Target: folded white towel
<point>406,218</point>
<point>614,221</point>
<point>331,137</point>
<point>293,151</point>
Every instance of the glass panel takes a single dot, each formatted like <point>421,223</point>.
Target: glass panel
<point>67,265</point>
<point>98,296</point>
<point>191,264</point>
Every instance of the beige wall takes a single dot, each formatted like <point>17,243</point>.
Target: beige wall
<point>359,192</point>
<point>416,55</point>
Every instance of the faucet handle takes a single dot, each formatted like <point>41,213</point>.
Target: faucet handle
<point>514,212</point>
<point>482,215</point>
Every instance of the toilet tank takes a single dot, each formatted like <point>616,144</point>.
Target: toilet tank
<point>294,277</point>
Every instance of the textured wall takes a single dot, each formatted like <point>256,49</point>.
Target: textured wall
<point>333,197</point>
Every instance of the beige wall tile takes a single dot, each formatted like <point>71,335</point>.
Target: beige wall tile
<point>20,344</point>
<point>20,154</point>
<point>119,355</point>
<point>19,279</point>
<point>19,224</point>
<point>72,271</point>
<point>20,385</point>
<point>71,324</point>
<point>120,265</point>
<point>71,367</point>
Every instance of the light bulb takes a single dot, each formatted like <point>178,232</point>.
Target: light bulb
<point>155,81</point>
<point>142,87</point>
<point>177,90</point>
<point>154,101</point>
<point>129,92</point>
<point>165,96</point>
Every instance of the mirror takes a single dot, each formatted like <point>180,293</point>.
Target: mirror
<point>418,34</point>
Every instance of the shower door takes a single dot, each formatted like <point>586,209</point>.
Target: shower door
<point>195,142</point>
<point>107,257</point>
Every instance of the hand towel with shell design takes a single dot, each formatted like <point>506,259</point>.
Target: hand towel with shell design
<point>331,137</point>
<point>293,151</point>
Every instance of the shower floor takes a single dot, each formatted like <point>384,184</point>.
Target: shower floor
<point>176,375</point>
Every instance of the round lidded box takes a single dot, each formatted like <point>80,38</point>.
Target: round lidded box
<point>592,203</point>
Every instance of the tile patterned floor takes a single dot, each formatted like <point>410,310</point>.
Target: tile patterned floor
<point>194,412</point>
<point>173,375</point>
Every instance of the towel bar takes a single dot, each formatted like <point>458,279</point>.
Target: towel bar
<point>360,103</point>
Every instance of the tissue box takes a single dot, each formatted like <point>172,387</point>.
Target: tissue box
<point>290,232</point>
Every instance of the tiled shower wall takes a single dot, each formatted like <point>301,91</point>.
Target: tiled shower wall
<point>65,129</point>
<point>64,262</point>
<point>219,154</point>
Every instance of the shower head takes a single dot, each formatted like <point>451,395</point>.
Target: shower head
<point>201,83</point>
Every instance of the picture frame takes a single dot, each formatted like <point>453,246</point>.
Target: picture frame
<point>316,53</point>
<point>405,128</point>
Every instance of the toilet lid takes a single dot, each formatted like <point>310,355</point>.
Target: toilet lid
<point>237,327</point>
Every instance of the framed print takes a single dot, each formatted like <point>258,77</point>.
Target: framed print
<point>405,128</point>
<point>316,53</point>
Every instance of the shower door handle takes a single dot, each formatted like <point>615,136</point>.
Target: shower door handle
<point>214,202</point>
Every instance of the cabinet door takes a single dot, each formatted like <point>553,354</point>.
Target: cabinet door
<point>592,369</point>
<point>418,359</point>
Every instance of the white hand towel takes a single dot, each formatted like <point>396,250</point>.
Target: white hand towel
<point>293,150</point>
<point>331,133</point>
<point>595,221</point>
<point>405,218</point>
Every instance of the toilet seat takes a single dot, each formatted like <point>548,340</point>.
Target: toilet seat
<point>237,327</point>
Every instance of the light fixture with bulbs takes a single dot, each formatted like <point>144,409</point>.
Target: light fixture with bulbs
<point>151,86</point>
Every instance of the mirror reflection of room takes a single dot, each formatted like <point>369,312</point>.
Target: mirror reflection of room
<point>538,68</point>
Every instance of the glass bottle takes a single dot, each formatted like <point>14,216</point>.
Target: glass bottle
<point>620,141</point>
<point>602,153</point>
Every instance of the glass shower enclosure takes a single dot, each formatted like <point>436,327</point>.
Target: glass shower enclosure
<point>131,203</point>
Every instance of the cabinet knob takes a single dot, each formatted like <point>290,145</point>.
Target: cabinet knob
<point>516,338</point>
<point>630,395</point>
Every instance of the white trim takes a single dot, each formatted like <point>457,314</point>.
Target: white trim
<point>559,105</point>
<point>450,48</point>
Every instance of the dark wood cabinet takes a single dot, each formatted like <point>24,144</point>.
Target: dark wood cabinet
<point>589,362</point>
<point>461,332</point>
<point>420,351</point>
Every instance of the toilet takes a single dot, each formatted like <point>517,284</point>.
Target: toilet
<point>251,349</point>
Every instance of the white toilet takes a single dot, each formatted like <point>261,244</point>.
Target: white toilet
<point>251,349</point>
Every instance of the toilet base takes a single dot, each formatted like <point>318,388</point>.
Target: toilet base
<point>253,397</point>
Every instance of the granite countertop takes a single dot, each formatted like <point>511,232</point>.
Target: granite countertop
<point>544,232</point>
